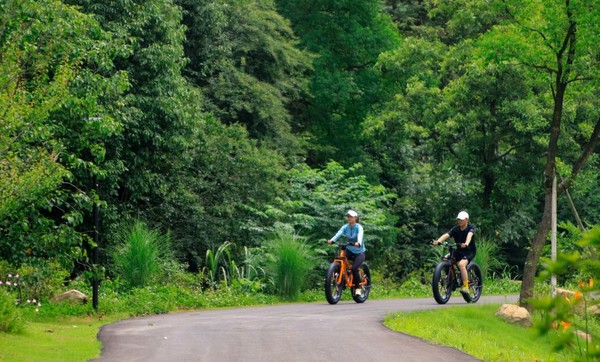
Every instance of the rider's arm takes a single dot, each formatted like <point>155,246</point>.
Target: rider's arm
<point>339,233</point>
<point>359,237</point>
<point>442,238</point>
<point>469,237</point>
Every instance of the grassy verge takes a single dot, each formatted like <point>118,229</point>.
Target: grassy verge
<point>64,339</point>
<point>477,331</point>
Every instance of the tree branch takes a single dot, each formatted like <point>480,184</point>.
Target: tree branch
<point>566,40</point>
<point>542,35</point>
<point>506,153</point>
<point>579,78</point>
<point>588,149</point>
<point>360,66</point>
<point>540,67</point>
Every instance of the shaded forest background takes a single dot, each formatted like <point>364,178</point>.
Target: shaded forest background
<point>226,121</point>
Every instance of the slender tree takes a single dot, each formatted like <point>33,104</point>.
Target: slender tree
<point>556,41</point>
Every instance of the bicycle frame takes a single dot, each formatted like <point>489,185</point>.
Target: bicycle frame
<point>339,277</point>
<point>346,269</point>
<point>453,273</point>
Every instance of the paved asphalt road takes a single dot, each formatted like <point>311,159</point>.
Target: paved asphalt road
<point>291,332</point>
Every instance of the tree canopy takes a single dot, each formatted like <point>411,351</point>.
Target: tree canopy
<point>220,121</point>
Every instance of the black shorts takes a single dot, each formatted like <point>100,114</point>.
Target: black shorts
<point>464,254</point>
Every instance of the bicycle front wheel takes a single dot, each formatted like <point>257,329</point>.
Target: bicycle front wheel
<point>441,284</point>
<point>333,290</point>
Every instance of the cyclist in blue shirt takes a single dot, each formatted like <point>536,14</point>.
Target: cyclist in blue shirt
<point>464,236</point>
<point>353,231</point>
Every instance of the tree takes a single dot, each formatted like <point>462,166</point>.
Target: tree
<point>316,200</point>
<point>557,42</point>
<point>244,57</point>
<point>221,181</point>
<point>347,37</point>
<point>157,112</point>
<point>44,44</point>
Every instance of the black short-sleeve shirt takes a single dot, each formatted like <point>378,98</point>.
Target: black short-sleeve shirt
<point>460,236</point>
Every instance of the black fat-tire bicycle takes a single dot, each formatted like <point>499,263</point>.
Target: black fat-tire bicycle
<point>446,279</point>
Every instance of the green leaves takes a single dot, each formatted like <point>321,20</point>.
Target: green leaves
<point>43,46</point>
<point>244,57</point>
<point>347,37</point>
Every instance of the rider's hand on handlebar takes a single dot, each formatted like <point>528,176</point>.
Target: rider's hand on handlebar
<point>435,242</point>
<point>329,241</point>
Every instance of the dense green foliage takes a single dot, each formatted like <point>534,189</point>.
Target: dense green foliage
<point>221,122</point>
<point>574,310</point>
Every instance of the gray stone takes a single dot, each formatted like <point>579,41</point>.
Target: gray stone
<point>71,296</point>
<point>583,335</point>
<point>514,314</point>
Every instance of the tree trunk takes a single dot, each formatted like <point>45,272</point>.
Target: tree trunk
<point>533,256</point>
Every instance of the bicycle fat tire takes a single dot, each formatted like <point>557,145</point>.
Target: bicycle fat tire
<point>475,283</point>
<point>333,291</point>
<point>441,284</point>
<point>366,272</point>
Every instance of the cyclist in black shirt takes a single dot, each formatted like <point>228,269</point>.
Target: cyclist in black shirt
<point>464,236</point>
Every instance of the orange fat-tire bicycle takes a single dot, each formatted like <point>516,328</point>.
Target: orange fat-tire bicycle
<point>339,276</point>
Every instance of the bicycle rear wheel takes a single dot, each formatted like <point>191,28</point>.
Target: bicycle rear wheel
<point>441,284</point>
<point>365,287</point>
<point>333,290</point>
<point>475,283</point>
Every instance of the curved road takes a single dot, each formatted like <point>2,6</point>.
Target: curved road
<point>290,332</point>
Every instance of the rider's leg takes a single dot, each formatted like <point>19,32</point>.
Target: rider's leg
<point>462,266</point>
<point>358,261</point>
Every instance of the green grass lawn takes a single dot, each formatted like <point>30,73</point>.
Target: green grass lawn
<point>67,339</point>
<point>477,331</point>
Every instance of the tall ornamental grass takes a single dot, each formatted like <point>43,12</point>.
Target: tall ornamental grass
<point>290,263</point>
<point>139,254</point>
<point>488,257</point>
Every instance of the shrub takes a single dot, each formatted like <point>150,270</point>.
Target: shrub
<point>38,279</point>
<point>217,262</point>
<point>138,255</point>
<point>10,317</point>
<point>565,309</point>
<point>289,263</point>
<point>488,256</point>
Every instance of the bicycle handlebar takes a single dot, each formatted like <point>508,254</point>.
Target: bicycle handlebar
<point>342,244</point>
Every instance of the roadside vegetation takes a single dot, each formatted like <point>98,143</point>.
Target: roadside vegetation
<point>197,153</point>
<point>475,330</point>
<point>565,327</point>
